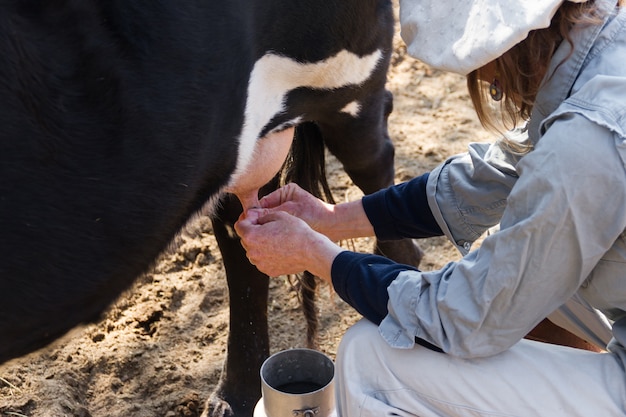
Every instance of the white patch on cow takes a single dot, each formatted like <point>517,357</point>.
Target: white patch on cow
<point>293,122</point>
<point>353,108</point>
<point>273,76</point>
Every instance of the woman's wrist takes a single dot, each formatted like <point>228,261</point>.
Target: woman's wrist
<point>347,221</point>
<point>321,252</point>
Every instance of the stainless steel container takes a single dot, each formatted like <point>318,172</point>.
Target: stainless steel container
<point>297,383</point>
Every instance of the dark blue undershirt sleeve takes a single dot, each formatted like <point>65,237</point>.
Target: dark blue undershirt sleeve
<point>402,211</point>
<point>361,280</point>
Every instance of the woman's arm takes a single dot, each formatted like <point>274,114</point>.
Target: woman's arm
<point>337,222</point>
<point>402,211</point>
<point>554,231</point>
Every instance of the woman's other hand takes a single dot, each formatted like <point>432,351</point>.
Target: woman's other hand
<point>337,222</point>
<point>279,243</point>
<point>300,203</point>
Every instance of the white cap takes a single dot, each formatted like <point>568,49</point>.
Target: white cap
<point>463,35</point>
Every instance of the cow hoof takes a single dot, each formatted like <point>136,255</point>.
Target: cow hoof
<point>217,407</point>
<point>404,251</point>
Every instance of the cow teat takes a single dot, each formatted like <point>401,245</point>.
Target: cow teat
<point>249,200</point>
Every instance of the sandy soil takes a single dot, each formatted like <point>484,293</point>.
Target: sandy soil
<point>159,351</point>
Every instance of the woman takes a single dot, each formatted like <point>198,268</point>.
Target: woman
<point>557,187</point>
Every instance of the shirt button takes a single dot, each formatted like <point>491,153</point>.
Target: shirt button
<point>467,246</point>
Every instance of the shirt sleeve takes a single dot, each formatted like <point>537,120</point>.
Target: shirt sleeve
<point>554,230</point>
<point>361,280</point>
<point>468,193</point>
<point>402,211</point>
<point>462,198</point>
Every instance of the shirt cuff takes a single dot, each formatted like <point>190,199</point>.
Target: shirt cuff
<point>402,211</point>
<point>361,280</point>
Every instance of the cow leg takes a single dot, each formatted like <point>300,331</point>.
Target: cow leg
<point>364,148</point>
<point>239,387</point>
<point>548,332</point>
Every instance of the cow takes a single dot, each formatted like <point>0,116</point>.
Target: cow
<point>121,120</point>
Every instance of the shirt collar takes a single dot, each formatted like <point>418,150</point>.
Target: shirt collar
<point>565,68</point>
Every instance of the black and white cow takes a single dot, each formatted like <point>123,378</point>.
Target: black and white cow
<point>119,120</point>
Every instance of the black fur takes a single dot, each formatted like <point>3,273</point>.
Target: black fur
<point>118,122</point>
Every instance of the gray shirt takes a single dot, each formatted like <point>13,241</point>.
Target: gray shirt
<point>561,210</point>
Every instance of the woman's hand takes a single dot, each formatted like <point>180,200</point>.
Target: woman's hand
<point>337,222</point>
<point>278,243</point>
<point>300,203</point>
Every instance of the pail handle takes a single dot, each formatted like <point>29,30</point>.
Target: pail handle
<point>307,412</point>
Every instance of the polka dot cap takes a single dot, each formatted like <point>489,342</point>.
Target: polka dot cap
<point>463,35</point>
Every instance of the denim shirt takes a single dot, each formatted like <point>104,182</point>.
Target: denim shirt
<point>561,210</point>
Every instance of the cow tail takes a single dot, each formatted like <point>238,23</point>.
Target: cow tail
<point>306,166</point>
<point>306,163</point>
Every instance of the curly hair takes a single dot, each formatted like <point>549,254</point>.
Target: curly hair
<point>521,70</point>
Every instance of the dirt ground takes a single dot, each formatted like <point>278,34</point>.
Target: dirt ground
<point>159,351</point>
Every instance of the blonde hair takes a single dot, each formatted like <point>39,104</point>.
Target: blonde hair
<point>521,69</point>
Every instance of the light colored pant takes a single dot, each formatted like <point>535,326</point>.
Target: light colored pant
<point>531,379</point>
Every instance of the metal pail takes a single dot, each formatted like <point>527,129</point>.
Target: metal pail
<point>297,383</point>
